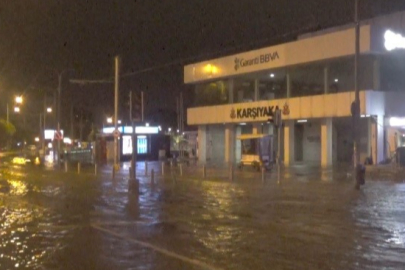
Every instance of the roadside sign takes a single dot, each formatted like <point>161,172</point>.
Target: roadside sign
<point>116,133</point>
<point>58,135</point>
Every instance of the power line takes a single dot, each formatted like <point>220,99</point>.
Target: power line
<point>211,54</point>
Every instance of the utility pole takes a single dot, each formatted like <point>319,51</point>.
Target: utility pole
<point>356,109</point>
<point>116,89</point>
<point>142,102</point>
<point>8,120</point>
<point>71,122</point>
<point>58,112</point>
<point>130,106</point>
<point>43,129</point>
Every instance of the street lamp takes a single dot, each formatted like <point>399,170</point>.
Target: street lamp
<point>58,111</point>
<point>18,99</point>
<point>16,109</point>
<point>109,120</point>
<point>43,126</point>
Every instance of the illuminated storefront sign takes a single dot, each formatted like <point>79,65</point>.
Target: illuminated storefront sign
<point>128,130</point>
<point>266,111</point>
<point>261,59</point>
<point>397,122</point>
<point>142,144</point>
<point>393,41</point>
<point>49,134</point>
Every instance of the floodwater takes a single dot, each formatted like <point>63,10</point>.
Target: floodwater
<point>55,220</point>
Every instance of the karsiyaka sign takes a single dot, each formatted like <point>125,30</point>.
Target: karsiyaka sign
<point>252,113</point>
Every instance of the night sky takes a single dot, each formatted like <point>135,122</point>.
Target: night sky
<point>39,38</point>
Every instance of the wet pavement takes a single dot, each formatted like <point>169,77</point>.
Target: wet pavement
<point>307,219</point>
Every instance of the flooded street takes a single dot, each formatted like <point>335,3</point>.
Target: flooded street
<point>56,220</point>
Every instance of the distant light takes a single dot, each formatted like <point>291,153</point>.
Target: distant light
<point>393,41</point>
<point>210,69</point>
<point>147,124</point>
<point>363,115</point>
<point>50,145</point>
<point>18,100</point>
<point>302,121</point>
<point>336,80</point>
<point>49,134</point>
<point>397,122</point>
<point>146,130</point>
<point>184,133</point>
<point>49,109</point>
<point>170,129</point>
<point>109,120</point>
<point>18,144</point>
<point>242,124</point>
<point>272,75</point>
<point>178,131</point>
<point>37,139</point>
<point>160,128</point>
<point>67,140</point>
<point>119,121</point>
<point>19,160</point>
<point>17,109</point>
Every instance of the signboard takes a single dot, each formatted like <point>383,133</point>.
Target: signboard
<point>49,134</point>
<point>58,135</point>
<point>116,133</point>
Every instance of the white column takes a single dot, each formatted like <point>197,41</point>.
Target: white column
<point>257,93</point>
<point>202,144</point>
<point>380,140</point>
<point>238,143</point>
<point>326,142</point>
<point>229,143</point>
<point>372,139</point>
<point>326,79</point>
<point>376,139</point>
<point>289,141</point>
<point>376,74</point>
<point>230,91</point>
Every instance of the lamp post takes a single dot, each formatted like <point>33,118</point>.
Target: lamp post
<point>43,126</point>
<point>356,104</point>
<point>60,77</point>
<point>356,79</point>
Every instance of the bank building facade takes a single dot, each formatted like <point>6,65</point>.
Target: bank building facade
<point>311,81</point>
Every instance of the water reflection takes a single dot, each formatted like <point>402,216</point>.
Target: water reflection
<point>220,203</point>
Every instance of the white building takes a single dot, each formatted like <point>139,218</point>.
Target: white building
<point>312,81</point>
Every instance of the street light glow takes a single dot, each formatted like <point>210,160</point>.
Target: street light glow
<point>393,41</point>
<point>18,99</point>
<point>17,109</point>
<point>49,109</point>
<point>36,139</point>
<point>109,120</point>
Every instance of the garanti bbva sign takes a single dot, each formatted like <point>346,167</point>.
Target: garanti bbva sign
<point>252,113</point>
<point>241,62</point>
